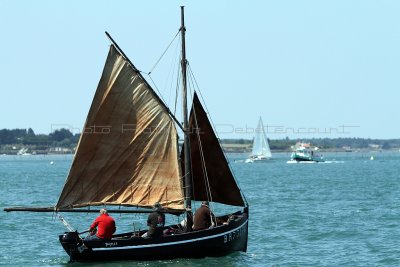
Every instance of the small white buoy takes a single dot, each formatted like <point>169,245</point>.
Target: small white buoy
<point>51,162</point>
<point>371,158</point>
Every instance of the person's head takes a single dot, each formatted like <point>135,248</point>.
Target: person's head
<point>157,206</point>
<point>204,203</point>
<point>103,211</point>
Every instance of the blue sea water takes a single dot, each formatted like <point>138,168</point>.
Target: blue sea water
<point>342,213</point>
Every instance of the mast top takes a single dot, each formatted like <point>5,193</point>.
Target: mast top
<point>183,19</point>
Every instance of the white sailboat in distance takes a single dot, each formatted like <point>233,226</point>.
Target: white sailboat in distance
<point>261,150</point>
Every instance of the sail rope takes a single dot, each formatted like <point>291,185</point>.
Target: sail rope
<point>162,55</point>
<point>185,186</point>
<point>155,85</point>
<point>178,75</point>
<point>191,75</point>
<point>205,174</point>
<point>203,162</point>
<point>66,224</point>
<point>178,82</point>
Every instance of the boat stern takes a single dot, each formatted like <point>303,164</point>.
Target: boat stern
<point>73,245</point>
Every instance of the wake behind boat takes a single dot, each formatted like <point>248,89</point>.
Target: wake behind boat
<point>136,162</point>
<point>261,150</point>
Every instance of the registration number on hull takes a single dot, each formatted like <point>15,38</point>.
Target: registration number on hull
<point>233,235</point>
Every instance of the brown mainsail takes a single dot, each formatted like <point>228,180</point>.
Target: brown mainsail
<point>127,154</point>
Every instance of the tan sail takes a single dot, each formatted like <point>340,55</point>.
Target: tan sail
<point>217,183</point>
<point>127,154</point>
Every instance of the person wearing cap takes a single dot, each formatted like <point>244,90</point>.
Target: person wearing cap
<point>105,225</point>
<point>202,217</point>
<point>155,222</point>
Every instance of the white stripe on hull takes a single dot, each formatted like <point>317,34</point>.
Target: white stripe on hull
<point>172,243</point>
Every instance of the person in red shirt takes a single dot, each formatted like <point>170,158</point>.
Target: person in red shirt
<point>105,225</point>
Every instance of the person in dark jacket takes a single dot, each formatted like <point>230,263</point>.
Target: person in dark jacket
<point>155,222</point>
<point>203,217</point>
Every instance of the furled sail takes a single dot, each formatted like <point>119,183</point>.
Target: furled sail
<point>216,183</point>
<point>127,154</point>
<point>260,144</point>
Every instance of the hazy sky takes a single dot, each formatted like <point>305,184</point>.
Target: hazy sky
<point>308,68</point>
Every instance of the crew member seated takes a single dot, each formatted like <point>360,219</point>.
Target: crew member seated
<point>203,217</point>
<point>155,222</point>
<point>105,225</point>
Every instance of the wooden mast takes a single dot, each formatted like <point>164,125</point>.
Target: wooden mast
<point>186,143</point>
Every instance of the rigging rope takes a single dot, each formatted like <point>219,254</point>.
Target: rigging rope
<point>165,51</point>
<point>66,224</point>
<point>155,85</point>
<point>205,174</point>
<point>203,162</point>
<point>178,80</point>
<point>191,75</point>
<point>155,65</point>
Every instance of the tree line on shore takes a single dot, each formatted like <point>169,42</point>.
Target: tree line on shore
<point>64,138</point>
<point>27,137</point>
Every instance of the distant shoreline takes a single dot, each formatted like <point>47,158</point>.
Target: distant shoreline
<point>62,141</point>
<point>228,147</point>
<point>228,151</point>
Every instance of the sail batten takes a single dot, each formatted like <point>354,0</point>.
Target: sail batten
<point>127,154</point>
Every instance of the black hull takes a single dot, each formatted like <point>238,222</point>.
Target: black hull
<point>218,241</point>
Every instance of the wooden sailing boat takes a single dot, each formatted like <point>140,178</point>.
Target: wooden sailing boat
<point>128,156</point>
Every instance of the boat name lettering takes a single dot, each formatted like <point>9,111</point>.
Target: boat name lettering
<point>111,244</point>
<point>234,235</point>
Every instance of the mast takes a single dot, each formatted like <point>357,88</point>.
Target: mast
<point>186,143</point>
